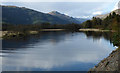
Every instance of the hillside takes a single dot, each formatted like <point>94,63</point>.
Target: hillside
<point>105,15</point>
<point>22,15</point>
<point>111,22</point>
<point>63,16</point>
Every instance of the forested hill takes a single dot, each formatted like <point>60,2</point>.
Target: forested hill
<point>112,22</point>
<point>22,15</point>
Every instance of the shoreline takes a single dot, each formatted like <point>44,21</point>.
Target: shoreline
<point>1,34</point>
<point>96,30</point>
<point>52,29</point>
<point>11,34</point>
<point>111,63</point>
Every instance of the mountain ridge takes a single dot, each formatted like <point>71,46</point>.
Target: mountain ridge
<point>117,11</point>
<point>23,15</point>
<point>63,16</point>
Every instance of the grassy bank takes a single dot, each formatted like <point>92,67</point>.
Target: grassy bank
<point>96,30</point>
<point>23,34</point>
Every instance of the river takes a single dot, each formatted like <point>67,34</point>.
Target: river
<point>56,51</point>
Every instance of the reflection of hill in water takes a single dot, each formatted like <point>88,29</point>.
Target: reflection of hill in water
<point>54,37</point>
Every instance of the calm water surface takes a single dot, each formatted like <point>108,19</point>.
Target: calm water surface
<point>56,51</point>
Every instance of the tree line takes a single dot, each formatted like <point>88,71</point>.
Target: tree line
<point>111,22</point>
<point>37,27</point>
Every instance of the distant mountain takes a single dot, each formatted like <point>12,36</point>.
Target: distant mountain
<point>104,16</point>
<point>63,16</point>
<point>82,19</point>
<point>22,15</point>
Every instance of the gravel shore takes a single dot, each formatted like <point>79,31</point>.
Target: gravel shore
<point>111,63</point>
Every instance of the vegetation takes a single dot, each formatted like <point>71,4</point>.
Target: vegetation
<point>112,22</point>
<point>22,31</point>
<point>37,27</point>
<point>116,39</point>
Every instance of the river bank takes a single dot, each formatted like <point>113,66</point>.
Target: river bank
<point>111,63</point>
<point>96,30</point>
<point>21,33</point>
<point>11,33</point>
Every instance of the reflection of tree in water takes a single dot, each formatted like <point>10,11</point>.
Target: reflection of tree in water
<point>98,35</point>
<point>112,37</point>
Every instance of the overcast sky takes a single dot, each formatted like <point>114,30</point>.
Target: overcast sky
<point>74,8</point>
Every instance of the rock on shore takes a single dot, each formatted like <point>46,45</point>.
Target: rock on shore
<point>111,63</point>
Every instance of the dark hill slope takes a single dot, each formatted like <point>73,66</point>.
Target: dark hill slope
<point>22,15</point>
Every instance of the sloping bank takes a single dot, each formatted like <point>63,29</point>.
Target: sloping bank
<point>109,64</point>
<point>22,34</point>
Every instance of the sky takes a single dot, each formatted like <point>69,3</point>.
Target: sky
<point>74,8</point>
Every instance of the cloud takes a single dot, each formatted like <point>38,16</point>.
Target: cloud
<point>97,13</point>
<point>84,17</point>
<point>58,0</point>
<point>74,9</point>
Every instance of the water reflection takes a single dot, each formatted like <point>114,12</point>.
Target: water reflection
<point>56,51</point>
